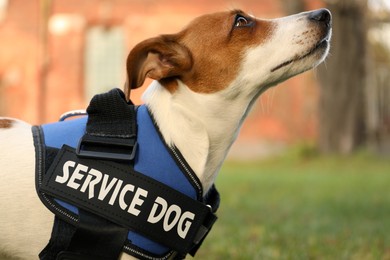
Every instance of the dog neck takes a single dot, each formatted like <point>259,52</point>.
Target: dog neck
<point>202,126</point>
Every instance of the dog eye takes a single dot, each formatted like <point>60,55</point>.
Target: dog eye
<point>241,21</point>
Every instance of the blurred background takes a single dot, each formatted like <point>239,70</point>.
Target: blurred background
<point>56,54</point>
<point>313,156</point>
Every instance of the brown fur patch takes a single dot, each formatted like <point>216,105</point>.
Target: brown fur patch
<point>206,55</point>
<point>218,47</point>
<point>6,123</point>
<point>170,84</point>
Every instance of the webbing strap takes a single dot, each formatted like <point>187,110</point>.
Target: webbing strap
<point>111,130</point>
<point>95,239</point>
<point>61,235</point>
<point>98,239</point>
<point>108,109</point>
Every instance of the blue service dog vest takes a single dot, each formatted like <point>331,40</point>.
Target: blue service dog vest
<point>154,161</point>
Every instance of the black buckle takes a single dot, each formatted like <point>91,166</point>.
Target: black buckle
<point>203,231</point>
<point>122,149</point>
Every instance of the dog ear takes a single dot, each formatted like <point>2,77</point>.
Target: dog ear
<point>157,58</point>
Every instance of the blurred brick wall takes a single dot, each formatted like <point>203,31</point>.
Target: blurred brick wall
<point>38,94</point>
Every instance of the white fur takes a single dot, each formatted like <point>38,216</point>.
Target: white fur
<point>204,126</point>
<point>25,223</point>
<point>201,126</point>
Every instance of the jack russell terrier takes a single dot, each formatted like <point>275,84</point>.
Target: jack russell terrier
<point>206,79</point>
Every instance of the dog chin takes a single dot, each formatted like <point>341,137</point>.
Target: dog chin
<point>294,67</point>
<point>322,52</point>
<point>312,57</point>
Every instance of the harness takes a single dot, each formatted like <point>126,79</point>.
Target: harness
<point>114,185</point>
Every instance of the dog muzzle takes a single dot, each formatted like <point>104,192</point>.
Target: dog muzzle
<point>114,185</point>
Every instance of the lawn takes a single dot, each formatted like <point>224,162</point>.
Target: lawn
<point>303,208</point>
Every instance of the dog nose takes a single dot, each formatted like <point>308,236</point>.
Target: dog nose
<point>321,15</point>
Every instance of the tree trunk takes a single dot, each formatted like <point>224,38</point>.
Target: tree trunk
<point>342,126</point>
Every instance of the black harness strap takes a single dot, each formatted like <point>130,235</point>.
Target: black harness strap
<point>136,202</point>
<point>110,134</point>
<point>95,238</point>
<point>111,128</point>
<point>61,235</point>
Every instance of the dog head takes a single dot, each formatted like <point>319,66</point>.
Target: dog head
<point>232,51</point>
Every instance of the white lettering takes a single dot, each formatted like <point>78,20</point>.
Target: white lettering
<point>86,182</point>
<point>153,218</point>
<point>173,208</point>
<point>115,193</point>
<point>171,216</point>
<point>105,189</point>
<point>183,230</point>
<point>65,169</point>
<point>137,201</point>
<point>126,188</point>
<point>77,176</point>
<point>95,181</point>
<point>98,176</point>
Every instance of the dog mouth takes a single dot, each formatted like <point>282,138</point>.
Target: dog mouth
<point>322,44</point>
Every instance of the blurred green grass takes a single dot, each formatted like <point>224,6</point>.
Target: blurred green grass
<point>303,206</point>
